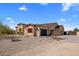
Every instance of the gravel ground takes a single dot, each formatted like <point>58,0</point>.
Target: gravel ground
<point>32,46</point>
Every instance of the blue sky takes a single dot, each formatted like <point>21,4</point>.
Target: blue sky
<point>66,14</point>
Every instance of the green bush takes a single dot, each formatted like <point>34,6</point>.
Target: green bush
<point>5,30</point>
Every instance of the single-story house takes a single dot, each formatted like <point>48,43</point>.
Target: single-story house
<point>47,29</point>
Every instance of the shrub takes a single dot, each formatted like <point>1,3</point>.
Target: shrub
<point>5,30</point>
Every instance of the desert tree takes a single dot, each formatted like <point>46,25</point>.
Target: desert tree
<point>76,29</point>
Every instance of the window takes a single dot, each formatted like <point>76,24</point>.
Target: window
<point>29,30</point>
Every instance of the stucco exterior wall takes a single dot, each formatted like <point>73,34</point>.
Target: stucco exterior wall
<point>26,30</point>
<point>38,31</point>
<point>77,33</point>
<point>20,27</point>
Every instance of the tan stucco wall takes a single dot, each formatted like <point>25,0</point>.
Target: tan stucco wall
<point>26,28</point>
<point>17,29</point>
<point>77,33</point>
<point>38,32</point>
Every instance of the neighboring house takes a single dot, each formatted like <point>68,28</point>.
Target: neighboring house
<point>69,33</point>
<point>40,29</point>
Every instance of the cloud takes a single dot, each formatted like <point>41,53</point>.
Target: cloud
<point>62,20</point>
<point>23,8</point>
<point>74,15</point>
<point>68,27</point>
<point>66,6</point>
<point>11,21</point>
<point>69,19</point>
<point>44,4</point>
<point>12,27</point>
<point>9,18</point>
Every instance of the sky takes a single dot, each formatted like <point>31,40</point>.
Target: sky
<point>66,14</point>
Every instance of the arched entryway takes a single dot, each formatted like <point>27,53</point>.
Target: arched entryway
<point>43,32</point>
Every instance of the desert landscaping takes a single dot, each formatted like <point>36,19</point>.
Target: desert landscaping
<point>65,45</point>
